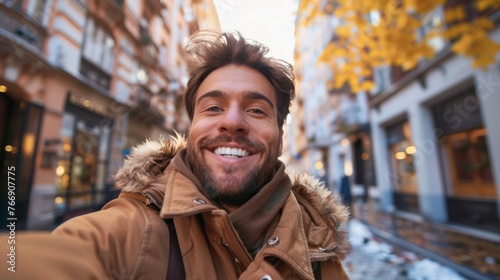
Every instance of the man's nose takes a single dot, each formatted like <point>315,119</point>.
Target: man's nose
<point>233,121</point>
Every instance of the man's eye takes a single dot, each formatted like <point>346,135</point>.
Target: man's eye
<point>257,111</point>
<point>214,109</point>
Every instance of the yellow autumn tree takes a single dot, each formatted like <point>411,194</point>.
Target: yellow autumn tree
<point>384,32</point>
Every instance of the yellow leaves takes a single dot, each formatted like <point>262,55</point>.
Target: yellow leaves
<point>339,81</point>
<point>421,6</point>
<point>484,58</point>
<point>472,40</point>
<point>308,10</point>
<point>478,46</point>
<point>344,31</point>
<point>454,14</point>
<point>365,71</point>
<point>483,23</point>
<point>384,32</point>
<point>372,5</point>
<point>367,85</point>
<point>433,33</point>
<point>456,31</point>
<point>328,53</point>
<point>405,21</point>
<point>482,5</point>
<point>463,45</point>
<point>305,4</point>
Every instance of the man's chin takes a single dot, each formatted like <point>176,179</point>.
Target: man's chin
<point>230,189</point>
<point>230,184</point>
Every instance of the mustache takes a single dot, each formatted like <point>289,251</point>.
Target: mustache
<point>240,139</point>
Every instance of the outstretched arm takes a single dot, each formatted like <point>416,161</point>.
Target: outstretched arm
<point>43,256</point>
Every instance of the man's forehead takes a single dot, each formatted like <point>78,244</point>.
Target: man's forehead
<point>238,79</point>
<point>248,95</point>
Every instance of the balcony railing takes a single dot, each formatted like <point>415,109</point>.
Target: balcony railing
<point>95,74</point>
<point>14,19</point>
<point>146,106</point>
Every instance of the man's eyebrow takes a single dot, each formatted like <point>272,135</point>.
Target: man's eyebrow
<point>211,94</point>
<point>258,96</point>
<point>247,95</point>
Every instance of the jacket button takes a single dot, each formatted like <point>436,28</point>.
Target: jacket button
<point>199,201</point>
<point>266,277</point>
<point>273,241</point>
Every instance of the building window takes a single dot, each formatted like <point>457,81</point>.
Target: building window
<point>469,163</point>
<point>97,57</point>
<point>98,46</point>
<point>465,152</point>
<point>382,78</point>
<point>38,10</point>
<point>403,169</point>
<point>430,22</point>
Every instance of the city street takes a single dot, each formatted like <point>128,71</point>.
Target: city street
<point>392,105</point>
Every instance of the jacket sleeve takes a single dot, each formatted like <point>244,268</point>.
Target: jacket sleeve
<point>130,239</point>
<point>125,240</point>
<point>38,255</point>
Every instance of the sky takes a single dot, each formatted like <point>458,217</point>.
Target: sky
<point>271,22</point>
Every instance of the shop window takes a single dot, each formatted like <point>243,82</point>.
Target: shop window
<point>81,170</point>
<point>467,155</point>
<point>401,157</point>
<point>83,166</point>
<point>465,152</point>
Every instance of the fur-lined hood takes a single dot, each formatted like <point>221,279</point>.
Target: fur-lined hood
<point>149,159</point>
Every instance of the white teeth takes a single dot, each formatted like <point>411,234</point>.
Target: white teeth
<point>231,152</point>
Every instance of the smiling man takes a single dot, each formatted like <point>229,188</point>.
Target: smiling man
<point>235,140</point>
<point>219,206</point>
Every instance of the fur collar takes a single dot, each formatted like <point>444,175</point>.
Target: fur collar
<point>150,159</point>
<point>146,161</point>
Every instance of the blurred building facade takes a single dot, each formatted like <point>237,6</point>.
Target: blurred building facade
<point>434,130</point>
<point>422,143</point>
<point>81,82</point>
<point>331,127</point>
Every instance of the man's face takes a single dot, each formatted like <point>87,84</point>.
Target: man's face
<point>234,139</point>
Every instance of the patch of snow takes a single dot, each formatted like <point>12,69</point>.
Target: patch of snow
<point>426,269</point>
<point>416,267</point>
<point>359,234</point>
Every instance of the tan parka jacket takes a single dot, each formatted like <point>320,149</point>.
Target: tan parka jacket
<point>129,238</point>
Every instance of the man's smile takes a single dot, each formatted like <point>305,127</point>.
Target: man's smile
<point>231,152</point>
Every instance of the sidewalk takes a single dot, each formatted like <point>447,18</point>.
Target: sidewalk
<point>472,256</point>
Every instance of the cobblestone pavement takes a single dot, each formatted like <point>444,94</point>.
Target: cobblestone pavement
<point>465,250</point>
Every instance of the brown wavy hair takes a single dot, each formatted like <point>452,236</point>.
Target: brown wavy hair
<point>210,50</point>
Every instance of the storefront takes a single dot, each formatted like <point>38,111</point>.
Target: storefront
<point>83,157</point>
<point>465,159</point>
<point>19,132</point>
